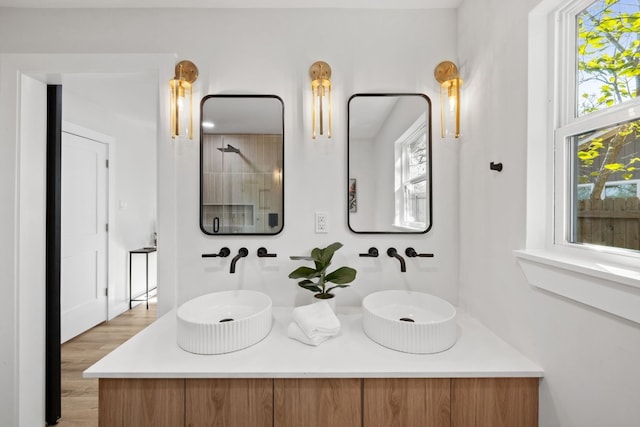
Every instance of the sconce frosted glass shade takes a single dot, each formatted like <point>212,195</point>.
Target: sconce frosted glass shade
<point>446,73</point>
<point>186,73</point>
<point>320,73</point>
<point>450,108</point>
<point>181,109</point>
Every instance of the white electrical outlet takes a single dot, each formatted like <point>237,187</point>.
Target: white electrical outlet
<point>322,222</point>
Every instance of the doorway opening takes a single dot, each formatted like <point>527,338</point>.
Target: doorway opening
<point>93,237</point>
<point>24,130</point>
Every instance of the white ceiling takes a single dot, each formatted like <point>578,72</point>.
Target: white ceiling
<point>240,4</point>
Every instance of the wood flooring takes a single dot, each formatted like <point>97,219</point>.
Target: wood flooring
<point>80,395</point>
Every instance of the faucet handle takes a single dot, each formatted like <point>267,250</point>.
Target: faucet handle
<point>373,252</point>
<point>411,253</point>
<point>263,253</point>
<point>224,252</point>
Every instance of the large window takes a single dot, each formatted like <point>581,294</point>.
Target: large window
<point>598,134</point>
<point>582,153</point>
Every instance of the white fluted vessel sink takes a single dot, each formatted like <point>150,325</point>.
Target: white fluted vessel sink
<point>412,322</point>
<point>223,322</point>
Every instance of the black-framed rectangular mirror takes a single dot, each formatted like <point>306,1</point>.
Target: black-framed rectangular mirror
<point>389,163</point>
<point>241,164</point>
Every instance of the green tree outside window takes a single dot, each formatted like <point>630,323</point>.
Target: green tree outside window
<point>608,62</point>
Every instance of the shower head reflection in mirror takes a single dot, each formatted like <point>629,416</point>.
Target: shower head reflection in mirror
<point>228,149</point>
<point>241,165</point>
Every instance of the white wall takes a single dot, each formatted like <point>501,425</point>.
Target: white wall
<point>590,358</point>
<point>364,169</point>
<point>32,244</point>
<point>362,48</point>
<point>255,51</point>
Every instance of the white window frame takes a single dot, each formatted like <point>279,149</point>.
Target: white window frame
<point>401,153</point>
<point>601,277</point>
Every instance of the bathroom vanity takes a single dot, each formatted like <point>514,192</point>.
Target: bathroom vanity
<point>347,381</point>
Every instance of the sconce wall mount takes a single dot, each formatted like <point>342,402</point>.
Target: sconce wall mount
<point>446,73</point>
<point>186,73</point>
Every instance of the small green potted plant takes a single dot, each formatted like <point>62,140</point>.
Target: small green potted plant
<point>322,260</point>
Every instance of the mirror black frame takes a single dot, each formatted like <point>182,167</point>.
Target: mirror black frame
<point>429,172</point>
<point>200,214</point>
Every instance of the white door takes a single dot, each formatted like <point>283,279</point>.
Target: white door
<point>83,264</point>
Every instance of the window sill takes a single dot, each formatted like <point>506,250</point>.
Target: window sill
<point>606,286</point>
<point>407,227</point>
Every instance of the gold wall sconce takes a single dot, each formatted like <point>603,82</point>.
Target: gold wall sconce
<point>320,73</point>
<point>186,73</point>
<point>446,73</point>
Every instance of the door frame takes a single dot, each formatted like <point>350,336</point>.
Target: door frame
<point>53,380</point>
<point>55,128</point>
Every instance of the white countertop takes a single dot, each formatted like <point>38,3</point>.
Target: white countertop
<point>153,353</point>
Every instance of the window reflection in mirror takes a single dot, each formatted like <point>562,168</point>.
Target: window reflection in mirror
<point>241,164</point>
<point>389,164</point>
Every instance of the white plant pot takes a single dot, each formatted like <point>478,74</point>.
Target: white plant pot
<point>331,301</point>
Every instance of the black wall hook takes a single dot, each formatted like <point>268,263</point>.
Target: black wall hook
<point>495,166</point>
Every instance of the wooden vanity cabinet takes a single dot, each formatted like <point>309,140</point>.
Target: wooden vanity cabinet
<point>406,402</point>
<point>224,402</point>
<point>135,402</point>
<point>455,402</point>
<point>310,402</point>
<point>494,402</point>
<point>317,402</point>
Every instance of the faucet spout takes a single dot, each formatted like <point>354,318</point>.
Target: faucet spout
<point>243,252</point>
<point>392,252</point>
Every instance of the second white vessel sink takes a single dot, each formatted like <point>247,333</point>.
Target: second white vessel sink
<point>223,322</point>
<point>412,322</point>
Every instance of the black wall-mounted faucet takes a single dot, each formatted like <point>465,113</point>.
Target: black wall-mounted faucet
<point>263,253</point>
<point>243,252</point>
<point>224,252</point>
<point>373,253</point>
<point>392,252</point>
<point>411,253</point>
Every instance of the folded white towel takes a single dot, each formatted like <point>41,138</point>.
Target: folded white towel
<point>296,333</point>
<point>317,320</point>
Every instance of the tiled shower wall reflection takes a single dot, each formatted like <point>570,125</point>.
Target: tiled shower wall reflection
<point>243,190</point>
